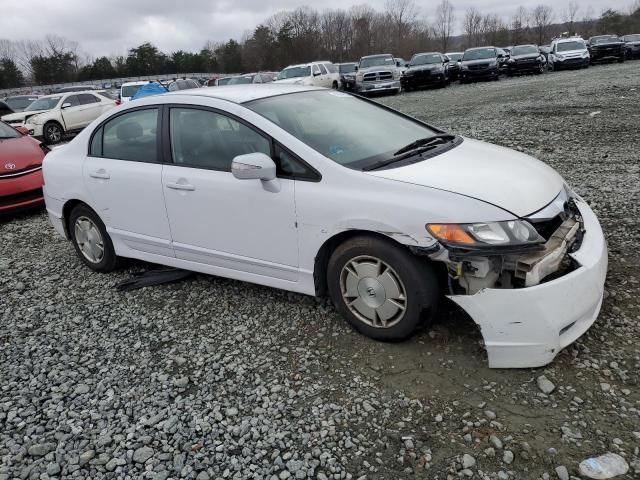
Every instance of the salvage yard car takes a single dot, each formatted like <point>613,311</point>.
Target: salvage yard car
<point>377,74</point>
<point>569,52</point>
<point>20,170</point>
<point>526,59</point>
<point>632,46</point>
<point>480,63</point>
<point>426,69</point>
<point>606,47</point>
<point>71,113</point>
<point>318,191</point>
<point>317,74</point>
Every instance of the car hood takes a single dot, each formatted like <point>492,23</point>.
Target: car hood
<point>479,62</point>
<point>635,43</point>
<point>21,115</point>
<point>525,56</point>
<point>607,44</point>
<point>20,153</point>
<point>513,181</point>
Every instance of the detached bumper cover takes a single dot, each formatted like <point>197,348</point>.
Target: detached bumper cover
<point>527,327</point>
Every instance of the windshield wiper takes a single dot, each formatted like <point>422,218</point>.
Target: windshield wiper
<point>423,142</point>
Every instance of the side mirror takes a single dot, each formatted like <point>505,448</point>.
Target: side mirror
<point>66,105</point>
<point>253,166</point>
<point>356,68</point>
<point>397,64</point>
<point>500,55</point>
<point>315,74</point>
<point>23,130</point>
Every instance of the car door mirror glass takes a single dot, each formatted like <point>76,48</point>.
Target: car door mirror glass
<point>253,166</point>
<point>66,105</point>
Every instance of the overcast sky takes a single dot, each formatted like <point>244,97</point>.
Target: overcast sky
<point>110,27</point>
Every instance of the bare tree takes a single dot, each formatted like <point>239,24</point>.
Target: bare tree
<point>570,16</point>
<point>472,25</point>
<point>402,15</point>
<point>520,26</point>
<point>443,26</point>
<point>542,17</point>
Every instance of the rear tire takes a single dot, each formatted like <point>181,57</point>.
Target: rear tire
<point>91,240</point>
<point>382,290</point>
<point>52,132</point>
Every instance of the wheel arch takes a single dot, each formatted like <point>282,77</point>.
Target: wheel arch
<point>323,255</point>
<point>67,208</point>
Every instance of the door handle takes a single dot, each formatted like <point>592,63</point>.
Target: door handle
<point>180,186</point>
<point>100,174</point>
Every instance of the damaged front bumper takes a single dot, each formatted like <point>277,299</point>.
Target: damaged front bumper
<point>527,327</point>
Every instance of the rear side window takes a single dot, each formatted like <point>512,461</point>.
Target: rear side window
<point>86,98</point>
<point>131,136</point>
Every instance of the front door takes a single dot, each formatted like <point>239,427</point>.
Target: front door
<point>124,177</point>
<point>71,112</point>
<point>216,219</point>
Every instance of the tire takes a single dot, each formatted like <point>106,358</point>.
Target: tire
<point>87,245</point>
<point>52,132</point>
<point>363,265</point>
<point>621,60</point>
<point>334,85</point>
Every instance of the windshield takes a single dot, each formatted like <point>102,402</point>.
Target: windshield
<point>294,72</point>
<point>632,38</point>
<point>240,80</point>
<point>425,59</point>
<point>454,57</point>
<point>607,39</point>
<point>224,81</point>
<point>18,104</point>
<point>524,50</point>
<point>568,46</point>
<point>380,61</point>
<point>352,132</point>
<point>479,54</point>
<point>347,68</point>
<point>130,90</point>
<point>7,132</point>
<point>46,103</point>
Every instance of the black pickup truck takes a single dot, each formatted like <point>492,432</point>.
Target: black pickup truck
<point>606,47</point>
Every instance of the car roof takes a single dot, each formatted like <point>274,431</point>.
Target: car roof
<point>126,84</point>
<point>378,55</point>
<point>245,93</point>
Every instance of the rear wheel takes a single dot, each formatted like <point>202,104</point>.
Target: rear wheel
<point>52,132</point>
<point>382,290</point>
<point>91,240</point>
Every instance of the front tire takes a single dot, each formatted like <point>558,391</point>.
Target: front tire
<point>52,133</point>
<point>382,290</point>
<point>91,240</point>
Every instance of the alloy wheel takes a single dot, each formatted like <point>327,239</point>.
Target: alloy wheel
<point>373,291</point>
<point>53,133</point>
<point>89,239</point>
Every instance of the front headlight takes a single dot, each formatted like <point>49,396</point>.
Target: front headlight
<point>486,234</point>
<point>493,63</point>
<point>464,67</point>
<point>559,57</point>
<point>396,74</point>
<point>585,55</point>
<point>359,77</point>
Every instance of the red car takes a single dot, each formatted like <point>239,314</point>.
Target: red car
<point>20,169</point>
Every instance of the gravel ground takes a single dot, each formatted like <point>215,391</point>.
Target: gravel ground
<point>212,378</point>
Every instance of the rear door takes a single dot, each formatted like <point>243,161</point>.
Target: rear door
<point>91,108</point>
<point>123,174</point>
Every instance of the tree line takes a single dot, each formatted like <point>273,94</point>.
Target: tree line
<point>304,34</point>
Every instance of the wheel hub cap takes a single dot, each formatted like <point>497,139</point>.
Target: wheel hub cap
<point>89,239</point>
<point>373,292</point>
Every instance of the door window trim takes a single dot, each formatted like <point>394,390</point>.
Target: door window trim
<point>99,128</point>
<point>167,153</point>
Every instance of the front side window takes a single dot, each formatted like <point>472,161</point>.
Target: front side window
<point>350,131</point>
<point>131,136</point>
<point>206,139</point>
<point>316,70</point>
<point>72,101</point>
<point>323,70</point>
<point>331,68</point>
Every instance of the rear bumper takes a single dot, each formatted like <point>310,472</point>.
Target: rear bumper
<point>24,191</point>
<point>54,210</point>
<point>527,327</point>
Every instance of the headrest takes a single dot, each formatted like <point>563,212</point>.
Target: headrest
<point>129,130</point>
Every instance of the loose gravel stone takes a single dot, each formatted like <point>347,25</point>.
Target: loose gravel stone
<point>545,385</point>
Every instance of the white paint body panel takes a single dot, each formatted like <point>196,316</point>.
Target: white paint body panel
<point>247,230</point>
<point>512,180</point>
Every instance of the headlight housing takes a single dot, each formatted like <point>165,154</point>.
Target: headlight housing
<point>396,74</point>
<point>509,233</point>
<point>559,57</point>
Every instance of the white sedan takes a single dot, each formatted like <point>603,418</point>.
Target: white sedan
<point>320,192</point>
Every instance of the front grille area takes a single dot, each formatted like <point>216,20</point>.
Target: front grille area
<point>547,227</point>
<point>482,66</point>
<point>373,77</point>
<point>20,197</point>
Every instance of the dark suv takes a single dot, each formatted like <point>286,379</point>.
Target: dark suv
<point>348,75</point>
<point>426,69</point>
<point>606,47</point>
<point>526,59</point>
<point>480,62</point>
<point>632,45</point>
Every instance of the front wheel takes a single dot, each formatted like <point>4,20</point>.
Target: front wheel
<point>52,133</point>
<point>382,290</point>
